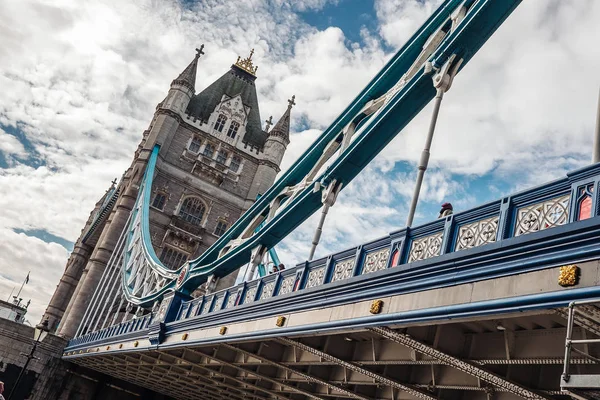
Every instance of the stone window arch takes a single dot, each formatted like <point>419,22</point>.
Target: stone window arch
<point>222,157</point>
<point>221,120</point>
<point>172,258</point>
<point>221,227</point>
<point>209,150</point>
<point>233,129</point>
<point>159,201</point>
<point>235,164</point>
<point>192,210</point>
<point>195,144</point>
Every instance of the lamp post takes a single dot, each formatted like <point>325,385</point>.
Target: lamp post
<point>39,334</point>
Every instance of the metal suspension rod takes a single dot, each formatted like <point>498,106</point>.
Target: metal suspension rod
<point>596,149</point>
<point>424,161</point>
<point>318,231</point>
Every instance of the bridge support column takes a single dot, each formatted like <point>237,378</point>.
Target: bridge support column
<point>95,267</point>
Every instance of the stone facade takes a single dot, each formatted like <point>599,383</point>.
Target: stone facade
<point>214,159</point>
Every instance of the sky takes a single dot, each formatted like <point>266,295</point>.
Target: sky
<point>80,80</point>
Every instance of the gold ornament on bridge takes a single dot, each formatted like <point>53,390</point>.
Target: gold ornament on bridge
<point>223,330</point>
<point>135,344</point>
<point>121,345</point>
<point>107,347</point>
<point>376,306</point>
<point>246,64</point>
<point>184,336</point>
<point>569,275</point>
<point>280,321</point>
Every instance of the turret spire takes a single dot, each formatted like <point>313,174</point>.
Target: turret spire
<point>282,127</point>
<point>188,76</point>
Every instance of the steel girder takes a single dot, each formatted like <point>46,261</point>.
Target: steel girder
<point>461,365</point>
<point>307,377</point>
<point>357,368</point>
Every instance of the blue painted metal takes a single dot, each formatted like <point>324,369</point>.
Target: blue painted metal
<point>574,242</point>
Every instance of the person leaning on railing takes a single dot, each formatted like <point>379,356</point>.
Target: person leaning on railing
<point>1,390</point>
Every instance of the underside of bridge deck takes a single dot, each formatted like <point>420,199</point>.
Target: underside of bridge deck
<point>517,356</point>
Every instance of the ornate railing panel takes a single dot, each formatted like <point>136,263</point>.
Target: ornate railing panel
<point>426,247</point>
<point>376,260</point>
<point>343,270</point>
<point>477,233</point>
<point>543,215</point>
<point>315,277</point>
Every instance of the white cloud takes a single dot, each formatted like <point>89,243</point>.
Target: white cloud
<point>82,79</point>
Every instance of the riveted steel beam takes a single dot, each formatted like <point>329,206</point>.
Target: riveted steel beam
<point>256,374</point>
<point>357,368</point>
<point>461,365</point>
<point>306,377</point>
<point>224,375</point>
<point>583,321</point>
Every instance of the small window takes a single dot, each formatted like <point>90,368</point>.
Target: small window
<point>209,150</point>
<point>233,128</point>
<point>172,258</point>
<point>235,163</point>
<point>192,210</point>
<point>220,228</point>
<point>194,146</point>
<point>221,156</point>
<point>220,122</point>
<point>159,201</point>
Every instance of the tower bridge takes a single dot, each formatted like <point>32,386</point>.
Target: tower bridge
<point>496,302</point>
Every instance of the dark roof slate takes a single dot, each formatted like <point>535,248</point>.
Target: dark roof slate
<point>233,82</point>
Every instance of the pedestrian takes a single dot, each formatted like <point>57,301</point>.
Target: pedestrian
<point>446,210</point>
<point>275,269</point>
<point>1,390</point>
<point>281,267</point>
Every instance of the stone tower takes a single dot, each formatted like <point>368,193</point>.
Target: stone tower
<point>214,159</point>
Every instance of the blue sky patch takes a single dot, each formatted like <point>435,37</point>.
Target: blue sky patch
<point>47,237</point>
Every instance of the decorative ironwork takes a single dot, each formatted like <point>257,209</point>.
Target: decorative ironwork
<point>343,270</point>
<point>544,215</point>
<point>246,64</point>
<point>376,260</point>
<point>426,247</point>
<point>250,294</point>
<point>219,303</point>
<point>477,233</point>
<point>315,277</point>
<point>280,321</point>
<point>231,300</point>
<point>376,307</point>
<point>206,306</point>
<point>267,290</point>
<point>569,275</point>
<point>287,285</point>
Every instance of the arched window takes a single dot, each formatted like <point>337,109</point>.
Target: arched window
<point>192,210</point>
<point>209,150</point>
<point>235,163</point>
<point>233,128</point>
<point>172,258</point>
<point>220,122</point>
<point>221,156</point>
<point>220,228</point>
<point>159,201</point>
<point>194,145</point>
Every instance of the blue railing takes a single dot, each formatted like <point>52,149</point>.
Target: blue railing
<point>525,231</point>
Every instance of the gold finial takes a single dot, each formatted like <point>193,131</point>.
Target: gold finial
<point>246,64</point>
<point>269,123</point>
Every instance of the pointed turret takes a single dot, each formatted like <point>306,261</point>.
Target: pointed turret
<point>188,76</point>
<point>282,127</point>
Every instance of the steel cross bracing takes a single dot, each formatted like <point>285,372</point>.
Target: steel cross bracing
<point>357,368</point>
<point>435,53</point>
<point>481,374</point>
<point>305,376</point>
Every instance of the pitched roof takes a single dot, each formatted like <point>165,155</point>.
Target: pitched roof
<point>188,76</point>
<point>233,82</point>
<point>282,127</point>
